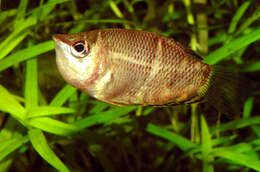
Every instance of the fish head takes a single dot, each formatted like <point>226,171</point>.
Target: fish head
<point>76,57</point>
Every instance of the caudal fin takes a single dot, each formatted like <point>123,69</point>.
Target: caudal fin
<point>227,91</point>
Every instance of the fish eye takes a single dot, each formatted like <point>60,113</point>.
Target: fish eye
<point>80,49</point>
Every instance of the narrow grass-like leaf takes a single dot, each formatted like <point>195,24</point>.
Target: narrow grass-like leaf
<point>77,28</point>
<point>31,84</point>
<point>129,7</point>
<point>240,148</point>
<point>256,129</point>
<point>11,145</point>
<point>251,67</point>
<point>12,42</point>
<point>206,146</point>
<point>11,129</point>
<point>232,47</point>
<point>115,9</point>
<point>26,54</point>
<point>183,143</point>
<point>220,38</point>
<point>8,13</point>
<point>95,21</point>
<point>18,98</point>
<point>147,110</point>
<point>53,126</point>
<point>5,165</point>
<point>241,123</point>
<point>21,10</point>
<point>248,106</point>
<point>63,95</point>
<point>82,106</point>
<point>46,8</point>
<point>215,142</point>
<point>16,36</point>
<point>249,21</point>
<point>104,117</point>
<point>223,140</point>
<point>42,111</point>
<point>10,105</point>
<point>239,158</point>
<point>40,144</point>
<point>239,13</point>
<point>190,17</point>
<point>99,107</point>
<point>73,101</point>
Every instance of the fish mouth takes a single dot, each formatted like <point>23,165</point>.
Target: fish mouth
<point>60,38</point>
<point>56,37</point>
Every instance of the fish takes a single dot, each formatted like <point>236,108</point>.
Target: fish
<point>129,67</point>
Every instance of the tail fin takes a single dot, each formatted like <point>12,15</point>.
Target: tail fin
<point>227,91</point>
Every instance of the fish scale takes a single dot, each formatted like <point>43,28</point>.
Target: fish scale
<point>127,67</point>
<point>130,45</point>
<point>143,48</point>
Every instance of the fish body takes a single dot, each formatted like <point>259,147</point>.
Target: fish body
<point>127,67</point>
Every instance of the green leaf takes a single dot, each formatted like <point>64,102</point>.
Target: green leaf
<point>232,47</point>
<point>21,10</point>
<point>183,143</point>
<point>255,17</point>
<point>251,67</point>
<point>82,104</point>
<point>241,123</point>
<point>98,107</point>
<point>40,144</point>
<point>239,158</point>
<point>11,41</point>
<point>223,140</point>
<point>256,129</point>
<point>44,10</point>
<point>239,13</point>
<point>53,126</point>
<point>7,13</point>
<point>25,54</point>
<point>42,111</point>
<point>104,117</point>
<point>206,146</point>
<point>31,84</point>
<point>248,106</point>
<point>63,95</point>
<point>17,36</point>
<point>95,21</point>
<point>115,9</point>
<point>11,145</point>
<point>240,148</point>
<point>5,165</point>
<point>9,104</point>
<point>148,110</point>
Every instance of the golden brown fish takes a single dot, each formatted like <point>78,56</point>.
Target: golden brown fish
<point>126,67</point>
